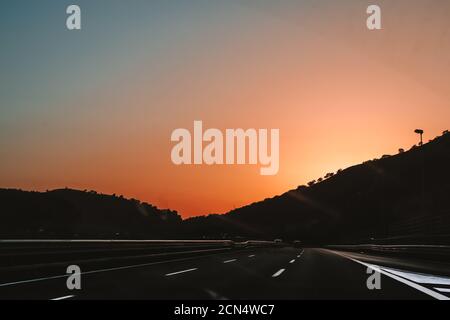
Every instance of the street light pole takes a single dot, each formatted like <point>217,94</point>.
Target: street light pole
<point>420,132</point>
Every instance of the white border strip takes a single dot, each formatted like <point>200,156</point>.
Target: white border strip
<point>414,285</point>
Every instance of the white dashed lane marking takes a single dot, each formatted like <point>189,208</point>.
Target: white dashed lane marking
<point>182,271</point>
<point>63,298</point>
<point>278,273</point>
<point>228,261</point>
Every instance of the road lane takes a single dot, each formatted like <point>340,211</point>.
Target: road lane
<point>321,274</point>
<point>249,274</point>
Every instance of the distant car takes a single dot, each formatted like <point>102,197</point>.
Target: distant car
<point>297,243</point>
<point>278,241</point>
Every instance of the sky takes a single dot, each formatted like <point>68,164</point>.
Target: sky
<point>95,108</point>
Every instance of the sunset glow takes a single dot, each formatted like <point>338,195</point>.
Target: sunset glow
<point>96,109</point>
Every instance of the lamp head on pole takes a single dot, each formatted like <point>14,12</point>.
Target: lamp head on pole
<point>419,131</point>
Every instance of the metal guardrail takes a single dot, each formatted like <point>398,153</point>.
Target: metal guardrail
<point>160,242</point>
<point>133,242</point>
<point>413,250</point>
<point>38,246</point>
<point>109,241</point>
<point>28,252</point>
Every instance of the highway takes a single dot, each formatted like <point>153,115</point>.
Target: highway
<point>252,273</point>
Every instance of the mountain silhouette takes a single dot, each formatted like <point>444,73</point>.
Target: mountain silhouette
<point>71,213</point>
<point>405,194</point>
<point>399,195</point>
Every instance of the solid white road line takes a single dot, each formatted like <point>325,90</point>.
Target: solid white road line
<point>182,271</point>
<point>228,261</point>
<point>419,277</point>
<point>292,261</point>
<point>279,272</point>
<point>251,256</point>
<point>32,280</point>
<point>414,285</point>
<point>105,270</point>
<point>62,298</point>
<point>443,289</point>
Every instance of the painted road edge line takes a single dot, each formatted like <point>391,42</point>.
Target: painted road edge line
<point>414,285</point>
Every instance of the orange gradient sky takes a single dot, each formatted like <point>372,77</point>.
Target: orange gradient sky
<point>95,110</point>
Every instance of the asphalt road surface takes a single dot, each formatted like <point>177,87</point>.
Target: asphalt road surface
<point>259,273</point>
